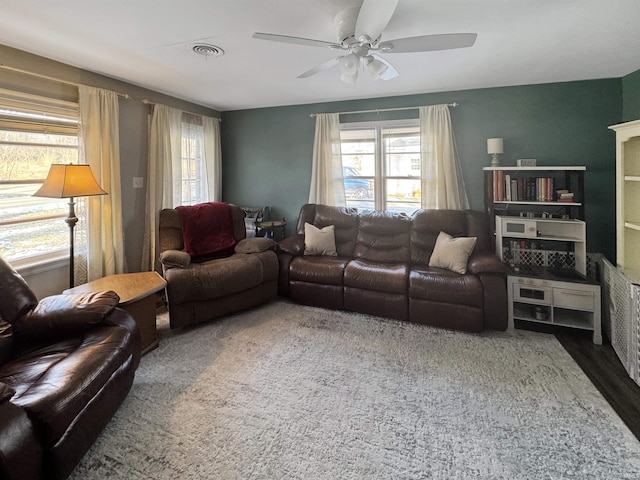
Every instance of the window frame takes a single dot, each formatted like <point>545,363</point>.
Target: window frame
<point>193,168</point>
<point>33,114</point>
<point>381,155</point>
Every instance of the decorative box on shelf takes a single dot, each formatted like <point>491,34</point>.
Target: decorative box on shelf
<point>526,162</point>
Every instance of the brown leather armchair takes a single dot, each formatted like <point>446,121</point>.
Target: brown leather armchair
<point>66,364</point>
<point>199,290</point>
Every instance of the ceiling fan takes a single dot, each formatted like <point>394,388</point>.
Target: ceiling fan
<point>359,33</point>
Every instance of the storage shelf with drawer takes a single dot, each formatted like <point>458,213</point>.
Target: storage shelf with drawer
<point>555,302</point>
<point>550,242</point>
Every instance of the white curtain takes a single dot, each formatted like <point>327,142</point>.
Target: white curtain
<point>165,133</point>
<point>168,128</point>
<point>100,147</point>
<point>442,181</point>
<point>327,181</point>
<point>213,154</point>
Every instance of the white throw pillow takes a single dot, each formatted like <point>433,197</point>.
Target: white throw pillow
<point>452,253</point>
<point>319,241</point>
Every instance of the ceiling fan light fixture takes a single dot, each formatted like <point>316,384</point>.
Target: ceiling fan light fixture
<point>350,79</point>
<point>349,65</point>
<point>375,68</point>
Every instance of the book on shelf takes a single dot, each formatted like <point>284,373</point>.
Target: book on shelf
<point>564,195</point>
<point>506,188</point>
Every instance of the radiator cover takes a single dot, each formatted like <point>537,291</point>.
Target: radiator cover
<point>621,308</point>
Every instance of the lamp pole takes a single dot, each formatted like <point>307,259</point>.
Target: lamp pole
<point>71,220</point>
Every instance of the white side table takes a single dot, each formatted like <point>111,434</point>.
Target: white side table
<point>573,304</point>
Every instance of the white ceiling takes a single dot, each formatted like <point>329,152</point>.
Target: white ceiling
<point>148,43</point>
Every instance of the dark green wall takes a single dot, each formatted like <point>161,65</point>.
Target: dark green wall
<point>631,96</point>
<point>267,152</point>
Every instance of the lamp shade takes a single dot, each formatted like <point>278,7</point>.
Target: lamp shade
<point>495,145</point>
<point>69,180</point>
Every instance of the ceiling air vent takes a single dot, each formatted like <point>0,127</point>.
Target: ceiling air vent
<point>207,50</point>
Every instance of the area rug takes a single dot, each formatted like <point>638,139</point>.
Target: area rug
<point>292,392</point>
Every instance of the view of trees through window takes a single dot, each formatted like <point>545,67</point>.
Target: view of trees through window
<point>381,166</point>
<point>30,225</point>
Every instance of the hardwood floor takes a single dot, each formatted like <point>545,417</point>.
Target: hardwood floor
<point>601,364</point>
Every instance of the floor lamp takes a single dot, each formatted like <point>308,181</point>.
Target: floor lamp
<point>70,181</point>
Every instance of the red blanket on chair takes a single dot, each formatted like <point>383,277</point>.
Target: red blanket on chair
<point>207,229</point>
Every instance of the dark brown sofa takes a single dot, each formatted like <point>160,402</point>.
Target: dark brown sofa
<point>201,290</point>
<point>66,364</point>
<point>382,268</point>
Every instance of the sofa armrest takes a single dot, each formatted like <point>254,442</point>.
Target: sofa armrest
<point>486,263</point>
<point>494,287</point>
<point>62,314</point>
<point>293,245</point>
<point>254,245</point>
<point>175,259</point>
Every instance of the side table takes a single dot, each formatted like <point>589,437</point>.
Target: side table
<point>271,226</point>
<point>555,302</point>
<point>136,292</point>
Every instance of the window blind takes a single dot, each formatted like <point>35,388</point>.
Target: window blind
<point>26,112</point>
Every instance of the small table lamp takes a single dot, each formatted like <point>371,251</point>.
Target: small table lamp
<point>69,181</point>
<point>495,147</point>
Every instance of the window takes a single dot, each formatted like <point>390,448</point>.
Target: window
<point>194,182</point>
<point>381,165</point>
<point>34,133</point>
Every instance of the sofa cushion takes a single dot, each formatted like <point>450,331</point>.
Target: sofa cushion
<point>427,225</point>
<point>452,253</point>
<point>445,286</point>
<point>383,237</point>
<point>207,228</point>
<point>381,277</point>
<point>320,241</point>
<point>318,269</point>
<point>345,221</point>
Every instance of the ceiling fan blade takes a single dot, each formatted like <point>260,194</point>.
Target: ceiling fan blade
<point>295,40</point>
<point>319,68</point>
<point>390,73</point>
<point>373,18</point>
<point>428,43</point>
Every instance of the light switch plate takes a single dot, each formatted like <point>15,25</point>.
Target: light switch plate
<point>138,182</point>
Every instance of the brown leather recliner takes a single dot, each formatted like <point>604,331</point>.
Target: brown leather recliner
<point>382,268</point>
<point>66,364</point>
<point>198,291</point>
